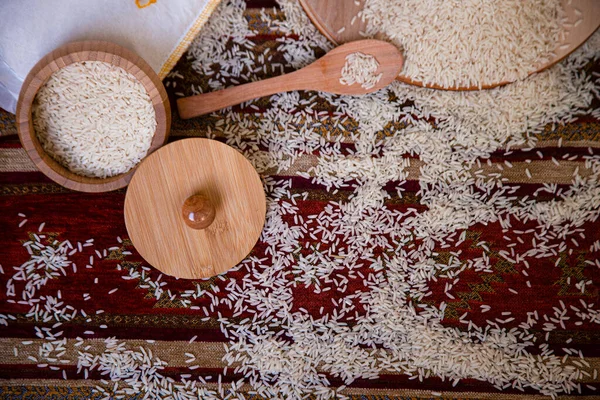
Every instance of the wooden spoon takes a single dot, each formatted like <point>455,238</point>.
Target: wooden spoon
<point>333,18</point>
<point>322,75</point>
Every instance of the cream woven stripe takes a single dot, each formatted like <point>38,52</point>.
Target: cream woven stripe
<point>16,160</point>
<point>208,354</point>
<point>403,393</point>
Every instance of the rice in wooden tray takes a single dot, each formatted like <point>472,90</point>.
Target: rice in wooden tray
<point>456,43</point>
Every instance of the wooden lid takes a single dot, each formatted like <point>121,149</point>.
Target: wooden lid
<point>195,208</point>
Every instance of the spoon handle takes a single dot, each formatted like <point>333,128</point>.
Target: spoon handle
<point>193,106</point>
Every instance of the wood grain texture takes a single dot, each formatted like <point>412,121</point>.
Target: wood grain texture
<point>323,75</point>
<point>330,16</point>
<point>161,185</point>
<point>77,52</point>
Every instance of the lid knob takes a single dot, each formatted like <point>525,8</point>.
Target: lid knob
<point>198,212</point>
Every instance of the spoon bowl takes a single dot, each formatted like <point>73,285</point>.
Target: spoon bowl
<point>325,73</point>
<point>322,75</point>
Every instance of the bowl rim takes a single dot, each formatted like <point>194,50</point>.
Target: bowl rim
<point>89,50</point>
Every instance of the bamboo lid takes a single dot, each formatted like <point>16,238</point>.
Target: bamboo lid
<point>195,208</point>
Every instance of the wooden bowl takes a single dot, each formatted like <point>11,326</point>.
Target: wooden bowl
<point>333,19</point>
<point>77,52</point>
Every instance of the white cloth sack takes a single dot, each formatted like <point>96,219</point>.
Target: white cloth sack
<point>157,30</point>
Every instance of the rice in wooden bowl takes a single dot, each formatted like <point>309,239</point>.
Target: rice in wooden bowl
<point>89,112</point>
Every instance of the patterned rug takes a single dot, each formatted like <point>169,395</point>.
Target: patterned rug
<point>424,290</point>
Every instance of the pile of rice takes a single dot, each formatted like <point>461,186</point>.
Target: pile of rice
<point>94,118</point>
<point>362,69</point>
<point>458,191</point>
<point>455,43</point>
